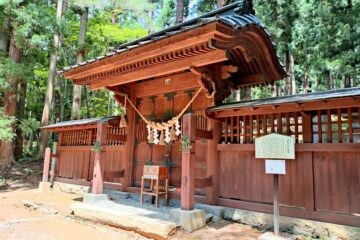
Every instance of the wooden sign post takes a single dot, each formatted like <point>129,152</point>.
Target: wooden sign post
<point>273,147</point>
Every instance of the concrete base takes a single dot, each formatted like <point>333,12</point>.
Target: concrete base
<point>93,198</point>
<point>188,220</point>
<point>71,188</point>
<point>297,226</point>
<point>44,186</point>
<point>216,211</point>
<point>272,236</point>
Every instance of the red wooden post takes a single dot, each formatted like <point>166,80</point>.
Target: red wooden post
<point>213,164</point>
<point>129,146</point>
<point>101,136</point>
<point>188,164</point>
<point>46,165</point>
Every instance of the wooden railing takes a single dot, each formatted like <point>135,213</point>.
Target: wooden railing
<point>320,126</point>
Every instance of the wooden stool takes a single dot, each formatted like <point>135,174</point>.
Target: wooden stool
<point>155,174</point>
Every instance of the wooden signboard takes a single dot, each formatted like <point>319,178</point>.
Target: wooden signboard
<point>275,146</point>
<point>271,147</point>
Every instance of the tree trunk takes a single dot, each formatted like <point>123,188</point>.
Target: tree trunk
<point>43,141</point>
<point>347,81</point>
<point>63,100</point>
<point>292,75</point>
<point>76,103</point>
<point>20,115</point>
<point>247,93</point>
<point>87,101</point>
<point>275,92</point>
<point>10,97</point>
<point>354,82</point>
<point>329,81</point>
<point>179,11</point>
<point>306,82</point>
<point>4,38</point>
<point>290,86</point>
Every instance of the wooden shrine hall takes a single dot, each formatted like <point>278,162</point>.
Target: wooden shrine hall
<point>173,83</point>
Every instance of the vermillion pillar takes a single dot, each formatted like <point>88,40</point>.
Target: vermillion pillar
<point>188,164</point>
<point>213,164</point>
<point>101,136</point>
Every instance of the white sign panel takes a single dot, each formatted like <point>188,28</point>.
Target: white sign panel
<point>275,167</point>
<point>275,146</point>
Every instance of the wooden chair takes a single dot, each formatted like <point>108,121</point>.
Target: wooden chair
<point>157,175</point>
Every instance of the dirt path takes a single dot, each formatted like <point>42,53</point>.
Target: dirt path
<point>50,220</point>
<point>47,216</point>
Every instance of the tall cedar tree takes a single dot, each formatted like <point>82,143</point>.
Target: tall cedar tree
<point>44,138</point>
<point>7,146</point>
<point>76,102</point>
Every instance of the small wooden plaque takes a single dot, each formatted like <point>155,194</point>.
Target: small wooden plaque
<point>275,146</point>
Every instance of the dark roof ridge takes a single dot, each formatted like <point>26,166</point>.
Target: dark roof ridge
<point>343,92</point>
<point>239,7</point>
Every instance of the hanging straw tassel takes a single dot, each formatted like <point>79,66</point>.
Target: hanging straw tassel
<point>162,138</point>
<point>123,122</point>
<point>172,134</point>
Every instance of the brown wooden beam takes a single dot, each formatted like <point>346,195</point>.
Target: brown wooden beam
<point>161,69</point>
<point>213,163</point>
<point>199,133</point>
<point>115,174</point>
<point>250,80</point>
<point>302,147</point>
<point>116,137</point>
<point>203,182</point>
<point>179,82</point>
<point>130,144</point>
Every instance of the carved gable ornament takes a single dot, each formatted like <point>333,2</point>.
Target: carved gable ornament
<point>275,146</point>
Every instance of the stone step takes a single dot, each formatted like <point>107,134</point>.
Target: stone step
<point>125,218</point>
<point>116,195</point>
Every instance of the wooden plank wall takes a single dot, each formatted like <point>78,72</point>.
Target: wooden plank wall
<point>75,163</point>
<point>242,177</point>
<point>76,158</point>
<point>335,180</point>
<point>322,183</point>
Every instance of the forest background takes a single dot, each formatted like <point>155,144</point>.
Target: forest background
<point>318,42</point>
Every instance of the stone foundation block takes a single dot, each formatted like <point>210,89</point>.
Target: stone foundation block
<point>93,198</point>
<point>44,186</point>
<point>216,211</point>
<point>188,220</point>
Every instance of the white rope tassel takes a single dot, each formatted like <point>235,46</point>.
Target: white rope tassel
<point>156,137</point>
<point>167,135</point>
<point>149,132</point>
<point>177,128</point>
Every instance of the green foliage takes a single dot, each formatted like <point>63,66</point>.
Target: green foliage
<point>29,125</point>
<point>97,147</point>
<point>185,145</point>
<point>6,127</point>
